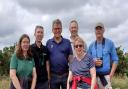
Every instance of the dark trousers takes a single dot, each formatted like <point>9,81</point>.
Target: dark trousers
<point>40,85</point>
<point>58,81</point>
<point>25,83</point>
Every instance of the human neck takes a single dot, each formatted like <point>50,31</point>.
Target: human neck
<point>25,54</point>
<point>81,56</point>
<point>99,39</point>
<point>58,39</point>
<point>38,43</point>
<point>73,37</point>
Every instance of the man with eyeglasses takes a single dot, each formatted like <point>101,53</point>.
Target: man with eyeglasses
<point>60,52</point>
<point>104,54</point>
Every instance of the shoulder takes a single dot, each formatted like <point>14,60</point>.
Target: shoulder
<point>44,48</point>
<point>14,56</point>
<point>49,40</point>
<point>108,40</point>
<point>88,56</point>
<point>92,43</point>
<point>32,46</point>
<point>67,41</point>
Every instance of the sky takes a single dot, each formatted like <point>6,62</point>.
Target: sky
<point>21,16</point>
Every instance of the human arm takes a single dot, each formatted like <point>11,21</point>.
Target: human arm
<point>114,58</point>
<point>70,58</point>
<point>48,71</point>
<point>114,66</point>
<point>69,79</point>
<point>93,77</point>
<point>14,79</point>
<point>34,76</point>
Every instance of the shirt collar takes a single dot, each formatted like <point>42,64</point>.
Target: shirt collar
<point>53,40</point>
<point>37,46</point>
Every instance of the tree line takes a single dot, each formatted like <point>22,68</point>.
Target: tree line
<point>7,52</point>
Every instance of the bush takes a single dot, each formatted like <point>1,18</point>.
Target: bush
<point>122,68</point>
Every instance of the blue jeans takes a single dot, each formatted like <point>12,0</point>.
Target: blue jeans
<point>40,85</point>
<point>58,81</point>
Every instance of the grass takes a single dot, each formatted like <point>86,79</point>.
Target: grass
<point>117,82</point>
<point>120,82</point>
<point>4,82</point>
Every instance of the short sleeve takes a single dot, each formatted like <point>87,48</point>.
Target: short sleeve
<point>13,62</point>
<point>70,67</point>
<point>70,49</point>
<point>33,62</point>
<point>91,62</point>
<point>114,55</point>
<point>47,54</point>
<point>89,49</point>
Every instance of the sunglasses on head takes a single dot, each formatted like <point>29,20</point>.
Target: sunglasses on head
<point>76,46</point>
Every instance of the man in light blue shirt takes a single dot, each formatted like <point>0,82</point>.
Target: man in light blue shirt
<point>104,54</point>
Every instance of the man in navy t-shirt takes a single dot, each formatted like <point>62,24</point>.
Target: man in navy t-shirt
<point>60,52</point>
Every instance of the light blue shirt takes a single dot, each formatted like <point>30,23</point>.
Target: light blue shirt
<point>107,51</point>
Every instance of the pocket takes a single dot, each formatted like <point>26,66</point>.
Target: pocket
<point>105,52</point>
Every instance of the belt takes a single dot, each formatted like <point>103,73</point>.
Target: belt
<point>59,73</point>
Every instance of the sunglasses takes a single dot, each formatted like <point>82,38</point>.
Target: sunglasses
<point>76,46</point>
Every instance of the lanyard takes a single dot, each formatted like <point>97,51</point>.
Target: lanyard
<point>103,45</point>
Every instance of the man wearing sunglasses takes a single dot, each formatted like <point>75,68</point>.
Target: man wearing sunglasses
<point>104,54</point>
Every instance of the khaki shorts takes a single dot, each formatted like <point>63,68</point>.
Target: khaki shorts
<point>108,86</point>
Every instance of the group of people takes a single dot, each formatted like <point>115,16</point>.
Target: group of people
<point>63,63</point>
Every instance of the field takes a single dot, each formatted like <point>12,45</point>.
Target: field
<point>117,82</point>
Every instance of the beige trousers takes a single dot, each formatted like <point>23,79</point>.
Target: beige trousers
<point>108,86</point>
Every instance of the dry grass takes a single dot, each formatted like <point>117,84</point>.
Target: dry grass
<point>117,82</point>
<point>120,82</point>
<point>4,82</point>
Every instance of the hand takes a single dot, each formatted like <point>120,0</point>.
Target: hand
<point>98,62</point>
<point>110,75</point>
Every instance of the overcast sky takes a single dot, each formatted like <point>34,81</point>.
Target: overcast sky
<point>21,16</point>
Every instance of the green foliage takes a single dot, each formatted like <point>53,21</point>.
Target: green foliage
<point>5,56</point>
<point>122,68</point>
<point>5,59</point>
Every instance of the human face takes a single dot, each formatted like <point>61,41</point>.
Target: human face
<point>79,47</point>
<point>99,31</point>
<point>39,33</point>
<point>57,30</point>
<point>25,43</point>
<point>73,29</point>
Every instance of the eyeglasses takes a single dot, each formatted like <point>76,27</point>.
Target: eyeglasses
<point>80,46</point>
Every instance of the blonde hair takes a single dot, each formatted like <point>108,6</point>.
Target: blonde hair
<point>79,39</point>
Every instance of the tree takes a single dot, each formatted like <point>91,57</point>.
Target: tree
<point>5,59</point>
<point>122,68</point>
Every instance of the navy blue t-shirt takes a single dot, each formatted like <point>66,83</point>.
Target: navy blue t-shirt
<point>59,53</point>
